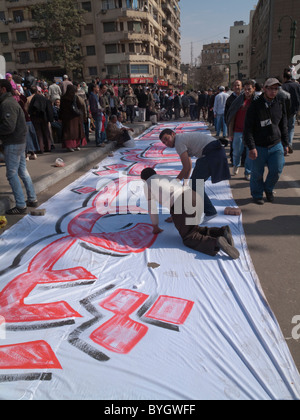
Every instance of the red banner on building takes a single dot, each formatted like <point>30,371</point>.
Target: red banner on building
<point>134,81</point>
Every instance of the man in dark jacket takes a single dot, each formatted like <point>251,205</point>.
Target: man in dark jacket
<point>13,130</point>
<point>293,88</point>
<point>266,136</point>
<point>97,114</point>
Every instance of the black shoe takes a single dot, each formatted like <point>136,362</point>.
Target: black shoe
<point>224,141</point>
<point>228,249</point>
<point>33,204</point>
<point>270,197</point>
<point>16,211</point>
<point>259,201</point>
<point>291,150</point>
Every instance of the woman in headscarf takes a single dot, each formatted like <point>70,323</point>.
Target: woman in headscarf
<point>72,111</point>
<point>15,92</point>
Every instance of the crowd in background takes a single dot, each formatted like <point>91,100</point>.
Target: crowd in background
<point>66,112</point>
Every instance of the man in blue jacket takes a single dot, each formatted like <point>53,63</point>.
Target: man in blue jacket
<point>266,136</point>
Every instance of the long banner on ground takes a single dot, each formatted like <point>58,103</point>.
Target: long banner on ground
<point>94,306</point>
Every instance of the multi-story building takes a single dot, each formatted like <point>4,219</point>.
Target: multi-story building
<point>239,51</point>
<point>121,40</point>
<point>273,37</point>
<point>217,55</point>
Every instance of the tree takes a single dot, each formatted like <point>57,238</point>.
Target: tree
<point>208,77</point>
<point>58,24</point>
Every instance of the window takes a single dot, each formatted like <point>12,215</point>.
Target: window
<point>108,4</point>
<point>93,71</point>
<point>139,69</point>
<point>4,37</point>
<point>24,57</point>
<point>8,57</point>
<point>21,36</point>
<point>109,27</point>
<point>111,49</point>
<point>91,50</point>
<point>87,6</point>
<point>2,17</point>
<point>113,70</point>
<point>18,16</point>
<point>132,4</point>
<point>135,27</point>
<point>42,56</point>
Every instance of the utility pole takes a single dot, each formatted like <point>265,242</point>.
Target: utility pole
<point>293,35</point>
<point>192,54</point>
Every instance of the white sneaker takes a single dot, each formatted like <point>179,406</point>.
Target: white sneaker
<point>236,170</point>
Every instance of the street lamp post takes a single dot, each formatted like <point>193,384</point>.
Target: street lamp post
<point>293,35</point>
<point>238,64</point>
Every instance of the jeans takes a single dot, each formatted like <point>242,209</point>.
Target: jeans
<point>193,112</point>
<point>291,127</point>
<point>238,150</point>
<point>273,158</point>
<point>15,169</point>
<point>98,128</point>
<point>130,113</point>
<point>142,114</point>
<point>221,125</point>
<point>201,171</point>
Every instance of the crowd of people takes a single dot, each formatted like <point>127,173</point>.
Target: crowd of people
<point>255,119</point>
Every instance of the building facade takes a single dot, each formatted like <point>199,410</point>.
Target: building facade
<point>273,35</point>
<point>239,51</point>
<point>121,40</point>
<point>216,55</point>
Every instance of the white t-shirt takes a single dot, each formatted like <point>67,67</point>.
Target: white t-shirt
<point>165,191</point>
<point>193,143</point>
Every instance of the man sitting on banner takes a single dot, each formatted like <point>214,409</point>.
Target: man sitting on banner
<point>114,133</point>
<point>186,208</point>
<point>212,160</point>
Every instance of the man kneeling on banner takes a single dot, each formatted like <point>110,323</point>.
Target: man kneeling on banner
<point>186,207</point>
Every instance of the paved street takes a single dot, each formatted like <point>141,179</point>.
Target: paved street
<point>272,231</point>
<point>273,237</point>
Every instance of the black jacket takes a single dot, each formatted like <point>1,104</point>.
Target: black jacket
<point>13,128</point>
<point>266,124</point>
<point>294,89</point>
<point>41,107</point>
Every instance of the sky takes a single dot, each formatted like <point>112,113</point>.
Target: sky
<point>207,21</point>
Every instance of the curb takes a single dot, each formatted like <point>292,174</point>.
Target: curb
<point>47,181</point>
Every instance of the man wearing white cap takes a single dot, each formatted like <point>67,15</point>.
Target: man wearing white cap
<point>266,136</point>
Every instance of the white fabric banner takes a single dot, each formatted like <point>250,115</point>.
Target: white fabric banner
<point>94,306</point>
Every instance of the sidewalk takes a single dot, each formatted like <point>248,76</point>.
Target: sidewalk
<point>44,174</point>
